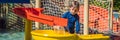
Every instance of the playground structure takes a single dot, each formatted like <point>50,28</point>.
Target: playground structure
<point>98,16</point>
<point>35,14</point>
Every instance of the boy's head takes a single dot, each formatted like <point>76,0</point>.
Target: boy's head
<point>74,7</point>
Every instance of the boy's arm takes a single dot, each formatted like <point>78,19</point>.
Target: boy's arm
<point>65,15</point>
<point>77,24</point>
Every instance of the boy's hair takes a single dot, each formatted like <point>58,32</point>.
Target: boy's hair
<point>74,4</point>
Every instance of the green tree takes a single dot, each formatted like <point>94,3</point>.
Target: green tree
<point>116,4</point>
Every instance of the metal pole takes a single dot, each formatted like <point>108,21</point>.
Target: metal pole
<point>86,16</point>
<point>37,5</point>
<point>110,17</point>
<point>28,28</point>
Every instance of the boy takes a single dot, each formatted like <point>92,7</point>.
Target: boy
<point>73,18</point>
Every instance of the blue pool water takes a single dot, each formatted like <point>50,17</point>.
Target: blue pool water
<point>12,36</point>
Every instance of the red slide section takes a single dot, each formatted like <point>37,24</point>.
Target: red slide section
<point>35,14</point>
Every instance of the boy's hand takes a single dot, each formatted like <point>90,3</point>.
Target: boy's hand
<point>56,27</point>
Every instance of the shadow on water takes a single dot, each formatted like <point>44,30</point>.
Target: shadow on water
<point>3,31</point>
<point>3,25</point>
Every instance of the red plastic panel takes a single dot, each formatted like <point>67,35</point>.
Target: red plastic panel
<point>35,14</point>
<point>60,21</point>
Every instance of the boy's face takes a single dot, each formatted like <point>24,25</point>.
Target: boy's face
<point>74,10</point>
